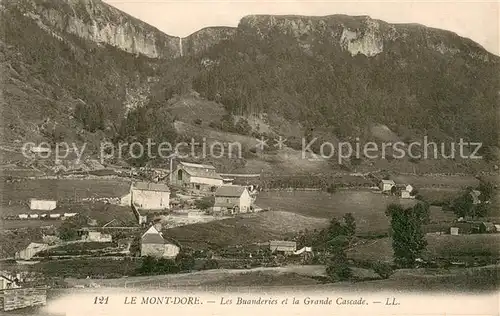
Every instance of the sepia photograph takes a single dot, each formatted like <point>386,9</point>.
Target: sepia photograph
<point>249,157</point>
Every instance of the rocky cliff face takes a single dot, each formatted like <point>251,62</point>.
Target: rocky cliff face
<point>205,38</point>
<point>358,34</point>
<point>100,23</point>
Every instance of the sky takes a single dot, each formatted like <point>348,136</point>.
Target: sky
<point>478,20</point>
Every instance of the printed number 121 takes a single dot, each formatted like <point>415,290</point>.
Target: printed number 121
<point>101,300</point>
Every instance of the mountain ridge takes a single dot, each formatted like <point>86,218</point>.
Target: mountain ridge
<point>334,76</point>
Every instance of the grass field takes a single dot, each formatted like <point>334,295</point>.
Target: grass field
<point>368,208</point>
<point>443,246</point>
<point>61,189</point>
<point>295,211</point>
<point>439,195</point>
<point>246,229</point>
<point>288,279</point>
<point>427,181</point>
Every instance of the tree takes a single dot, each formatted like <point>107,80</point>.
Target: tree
<point>242,127</point>
<point>408,239</point>
<point>337,266</point>
<point>205,203</point>
<point>350,224</point>
<point>152,265</point>
<point>185,261</point>
<point>487,190</point>
<point>334,230</point>
<point>210,264</point>
<point>463,205</point>
<point>69,228</point>
<point>383,269</point>
<point>422,210</point>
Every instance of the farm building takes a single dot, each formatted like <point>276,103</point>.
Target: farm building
<point>386,185</point>
<point>196,177</point>
<point>461,228</point>
<point>126,200</point>
<point>30,251</point>
<point>232,199</point>
<point>150,196</point>
<point>475,197</point>
<point>8,281</point>
<point>94,236</point>
<point>487,227</point>
<point>282,246</point>
<point>153,244</point>
<point>42,205</point>
<point>404,191</point>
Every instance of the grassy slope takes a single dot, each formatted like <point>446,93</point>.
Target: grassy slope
<point>438,246</point>
<point>368,208</point>
<point>295,211</point>
<point>245,229</point>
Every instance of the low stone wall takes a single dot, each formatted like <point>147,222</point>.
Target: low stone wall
<point>12,299</point>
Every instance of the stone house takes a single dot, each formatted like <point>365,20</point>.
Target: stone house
<point>8,281</point>
<point>232,199</point>
<point>93,236</point>
<point>386,185</point>
<point>283,246</point>
<point>150,196</point>
<point>196,177</point>
<point>155,245</point>
<point>30,251</point>
<point>487,227</point>
<point>42,205</point>
<point>404,191</point>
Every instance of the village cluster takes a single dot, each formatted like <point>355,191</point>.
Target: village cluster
<point>187,194</point>
<point>150,201</point>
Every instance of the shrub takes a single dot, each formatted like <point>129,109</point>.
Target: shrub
<point>205,203</point>
<point>185,261</point>
<point>383,269</point>
<point>210,264</point>
<point>338,271</point>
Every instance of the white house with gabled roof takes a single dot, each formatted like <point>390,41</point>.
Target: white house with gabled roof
<point>232,199</point>
<point>149,196</point>
<point>155,245</point>
<point>196,176</point>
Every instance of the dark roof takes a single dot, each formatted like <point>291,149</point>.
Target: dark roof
<point>488,224</point>
<point>151,186</point>
<point>388,181</point>
<point>152,239</point>
<point>282,243</point>
<point>196,165</point>
<point>202,171</point>
<point>230,191</point>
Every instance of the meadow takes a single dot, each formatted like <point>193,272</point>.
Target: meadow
<point>61,189</point>
<point>244,229</point>
<point>291,212</point>
<point>439,246</point>
<point>367,207</point>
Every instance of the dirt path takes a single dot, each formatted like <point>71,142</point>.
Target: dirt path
<point>195,278</point>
